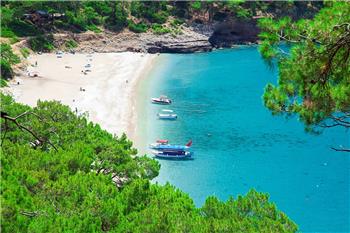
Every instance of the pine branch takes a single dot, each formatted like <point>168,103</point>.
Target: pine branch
<point>6,117</point>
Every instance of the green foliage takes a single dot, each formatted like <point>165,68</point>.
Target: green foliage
<point>21,28</point>
<point>71,44</point>
<point>25,52</point>
<point>6,32</point>
<point>87,15</point>
<point>137,27</point>
<point>177,22</point>
<point>154,12</point>
<point>314,75</point>
<point>196,5</point>
<point>3,82</point>
<point>7,59</point>
<point>94,182</point>
<point>93,28</point>
<point>42,43</point>
<point>8,55</point>
<point>120,18</point>
<point>159,29</point>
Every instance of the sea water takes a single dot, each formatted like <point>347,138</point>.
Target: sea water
<point>238,144</point>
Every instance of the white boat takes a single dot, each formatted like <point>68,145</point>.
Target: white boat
<point>167,114</point>
<point>59,54</point>
<point>161,100</point>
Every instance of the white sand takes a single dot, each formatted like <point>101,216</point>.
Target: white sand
<point>109,96</point>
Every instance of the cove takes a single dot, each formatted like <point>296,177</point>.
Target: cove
<point>238,144</point>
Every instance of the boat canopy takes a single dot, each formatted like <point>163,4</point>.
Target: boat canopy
<point>162,141</point>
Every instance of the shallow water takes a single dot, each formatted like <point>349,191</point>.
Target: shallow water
<point>239,145</point>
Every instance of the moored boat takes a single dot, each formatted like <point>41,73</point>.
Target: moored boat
<point>172,154</point>
<point>169,147</point>
<point>161,100</point>
<point>167,114</point>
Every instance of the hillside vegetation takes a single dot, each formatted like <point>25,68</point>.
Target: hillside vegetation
<point>61,173</point>
<point>31,18</point>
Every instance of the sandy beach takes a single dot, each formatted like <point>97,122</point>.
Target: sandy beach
<point>102,84</point>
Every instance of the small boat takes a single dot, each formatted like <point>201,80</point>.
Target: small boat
<point>59,54</point>
<point>167,114</point>
<point>172,154</point>
<point>166,146</point>
<point>161,100</point>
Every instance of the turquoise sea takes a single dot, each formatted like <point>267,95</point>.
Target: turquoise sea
<point>238,144</point>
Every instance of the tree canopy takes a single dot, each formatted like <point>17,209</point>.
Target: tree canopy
<point>314,75</point>
<point>61,173</point>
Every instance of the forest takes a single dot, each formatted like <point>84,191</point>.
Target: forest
<point>61,173</point>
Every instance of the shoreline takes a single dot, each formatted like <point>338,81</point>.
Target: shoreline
<point>106,90</point>
<point>135,95</point>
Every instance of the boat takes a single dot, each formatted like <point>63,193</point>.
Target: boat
<point>167,114</point>
<point>172,154</point>
<point>169,147</point>
<point>59,54</point>
<point>161,100</point>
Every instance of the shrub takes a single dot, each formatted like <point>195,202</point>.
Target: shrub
<point>42,43</point>
<point>93,28</point>
<point>3,82</point>
<point>160,29</point>
<point>8,55</point>
<point>177,22</point>
<point>159,17</point>
<point>20,28</point>
<point>138,28</point>
<point>70,44</point>
<point>7,32</point>
<point>196,5</point>
<point>25,52</point>
<point>6,70</point>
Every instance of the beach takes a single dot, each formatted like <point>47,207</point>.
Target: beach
<point>103,85</point>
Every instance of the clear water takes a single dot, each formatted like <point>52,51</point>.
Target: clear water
<point>239,145</point>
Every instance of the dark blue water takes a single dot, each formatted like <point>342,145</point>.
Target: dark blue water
<point>239,145</point>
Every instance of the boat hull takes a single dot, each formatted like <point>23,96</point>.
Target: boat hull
<point>165,155</point>
<point>180,157</point>
<point>167,116</point>
<point>168,147</point>
<point>160,102</point>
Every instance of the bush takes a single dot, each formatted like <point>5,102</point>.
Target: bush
<point>20,28</point>
<point>3,82</point>
<point>177,22</point>
<point>42,43</point>
<point>7,32</point>
<point>196,5</point>
<point>6,70</point>
<point>138,28</point>
<point>70,44</point>
<point>93,28</point>
<point>159,17</point>
<point>25,52</point>
<point>8,55</point>
<point>160,29</point>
